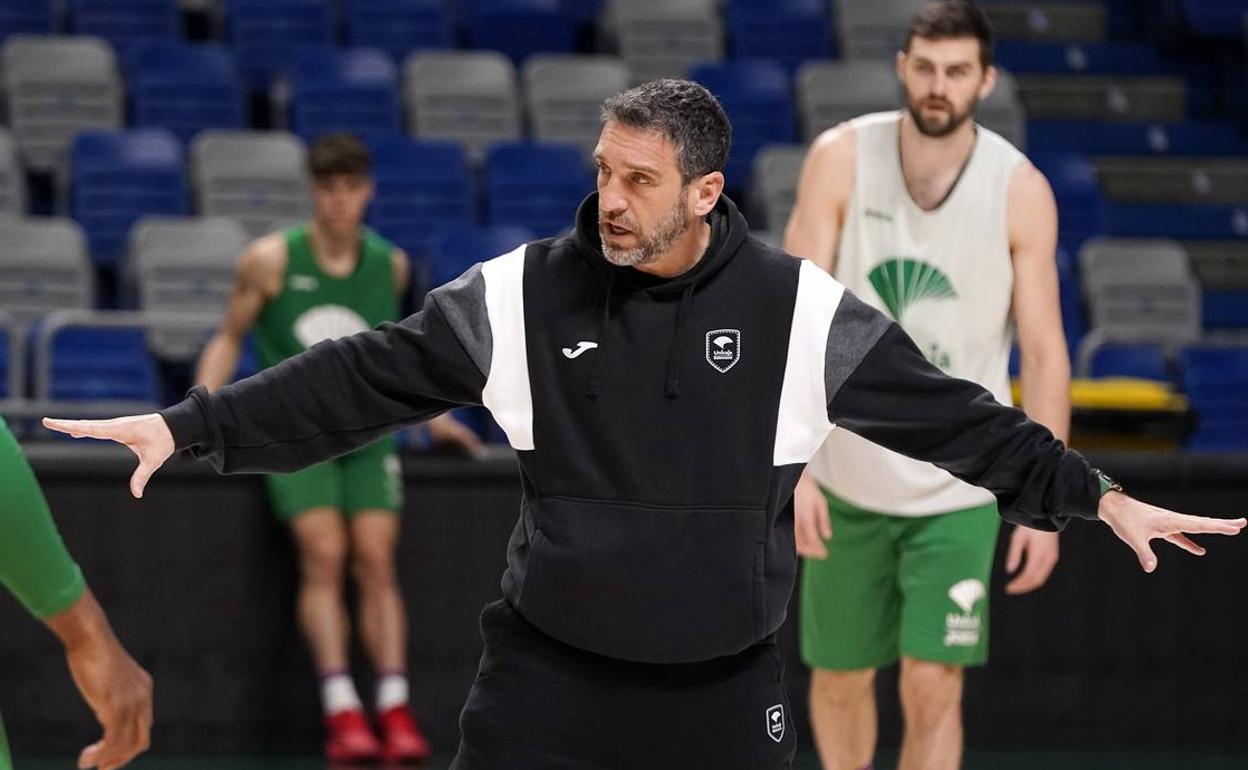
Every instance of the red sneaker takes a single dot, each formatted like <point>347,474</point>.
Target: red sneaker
<point>404,742</point>
<point>350,739</point>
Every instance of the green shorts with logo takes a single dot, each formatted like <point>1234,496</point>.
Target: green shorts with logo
<point>367,479</point>
<point>899,586</point>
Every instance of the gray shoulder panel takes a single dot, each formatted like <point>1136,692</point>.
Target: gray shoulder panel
<point>462,302</point>
<point>856,327</point>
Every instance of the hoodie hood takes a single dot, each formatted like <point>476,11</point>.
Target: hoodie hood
<point>728,233</point>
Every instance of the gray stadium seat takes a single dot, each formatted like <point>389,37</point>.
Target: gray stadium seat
<point>256,177</point>
<point>12,177</point>
<point>874,29</point>
<point>564,95</point>
<point>1003,111</point>
<point>1174,180</point>
<point>774,185</point>
<point>1104,259</point>
<point>831,92</point>
<point>1219,264</point>
<point>664,38</point>
<point>1056,22</point>
<point>1139,290</point>
<point>465,96</point>
<point>1103,97</point>
<point>57,86</point>
<point>184,265</point>
<point>43,267</point>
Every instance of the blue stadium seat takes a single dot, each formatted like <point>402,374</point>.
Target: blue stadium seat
<point>535,186</point>
<point>267,33</point>
<point>1080,58</point>
<point>354,90</point>
<point>1216,18</point>
<point>1144,361</point>
<point>126,23</point>
<point>1225,309</point>
<point>1109,138</point>
<point>187,88</point>
<point>583,11</point>
<point>788,31</point>
<point>247,363</point>
<point>455,248</point>
<point>1215,379</point>
<point>115,178</point>
<point>757,95</point>
<point>103,364</point>
<point>1177,220</point>
<point>519,28</point>
<point>1078,192</point>
<point>26,16</point>
<point>419,187</point>
<point>398,27</point>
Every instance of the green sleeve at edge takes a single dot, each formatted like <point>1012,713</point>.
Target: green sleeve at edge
<point>34,563</point>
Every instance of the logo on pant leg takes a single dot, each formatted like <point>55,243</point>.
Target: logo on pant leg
<point>775,722</point>
<point>962,628</point>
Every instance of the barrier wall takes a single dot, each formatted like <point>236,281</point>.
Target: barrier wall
<point>198,579</point>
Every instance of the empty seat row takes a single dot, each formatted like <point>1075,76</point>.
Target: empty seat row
<point>181,269</point>
<point>260,180</point>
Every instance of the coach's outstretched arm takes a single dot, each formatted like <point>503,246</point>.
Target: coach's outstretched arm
<point>882,388</point>
<point>326,401</point>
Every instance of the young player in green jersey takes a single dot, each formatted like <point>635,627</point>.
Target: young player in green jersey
<point>329,278</point>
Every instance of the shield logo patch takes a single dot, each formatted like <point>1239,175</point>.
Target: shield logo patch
<point>723,348</point>
<point>775,723</point>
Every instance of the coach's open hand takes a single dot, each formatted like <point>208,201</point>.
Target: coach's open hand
<point>147,435</point>
<point>1137,524</point>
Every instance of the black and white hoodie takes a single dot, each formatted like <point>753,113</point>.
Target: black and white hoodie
<point>660,425</point>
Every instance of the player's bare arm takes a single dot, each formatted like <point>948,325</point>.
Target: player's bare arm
<point>402,271</point>
<point>823,191</point>
<point>1045,363</point>
<point>258,279</point>
<point>813,230</point>
<point>118,691</point>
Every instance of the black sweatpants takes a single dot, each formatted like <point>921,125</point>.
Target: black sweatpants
<point>539,704</point>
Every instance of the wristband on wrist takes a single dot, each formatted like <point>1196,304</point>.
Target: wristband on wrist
<point>1107,484</point>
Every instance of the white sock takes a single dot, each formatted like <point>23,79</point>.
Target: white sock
<point>338,694</point>
<point>391,691</point>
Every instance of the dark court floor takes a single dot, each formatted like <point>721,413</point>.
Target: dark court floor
<point>979,760</point>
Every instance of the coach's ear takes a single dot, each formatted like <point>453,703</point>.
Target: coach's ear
<point>704,192</point>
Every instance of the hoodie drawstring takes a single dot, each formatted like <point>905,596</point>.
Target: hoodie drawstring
<point>671,385</point>
<point>595,368</point>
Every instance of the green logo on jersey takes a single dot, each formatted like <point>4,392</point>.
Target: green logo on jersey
<point>902,282</point>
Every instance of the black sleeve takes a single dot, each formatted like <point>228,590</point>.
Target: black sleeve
<point>895,398</point>
<point>342,394</point>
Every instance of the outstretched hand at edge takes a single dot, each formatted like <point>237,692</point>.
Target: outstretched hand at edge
<point>1137,524</point>
<point>147,435</point>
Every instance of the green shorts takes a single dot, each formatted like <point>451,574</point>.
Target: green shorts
<point>894,586</point>
<point>367,479</point>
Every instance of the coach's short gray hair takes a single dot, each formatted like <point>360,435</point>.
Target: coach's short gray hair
<point>687,114</point>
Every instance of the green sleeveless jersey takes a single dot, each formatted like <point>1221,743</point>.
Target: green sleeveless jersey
<point>314,306</point>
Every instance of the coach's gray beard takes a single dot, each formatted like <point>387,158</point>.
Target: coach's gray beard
<point>669,230</point>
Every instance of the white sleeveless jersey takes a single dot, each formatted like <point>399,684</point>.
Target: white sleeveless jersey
<point>946,276</point>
